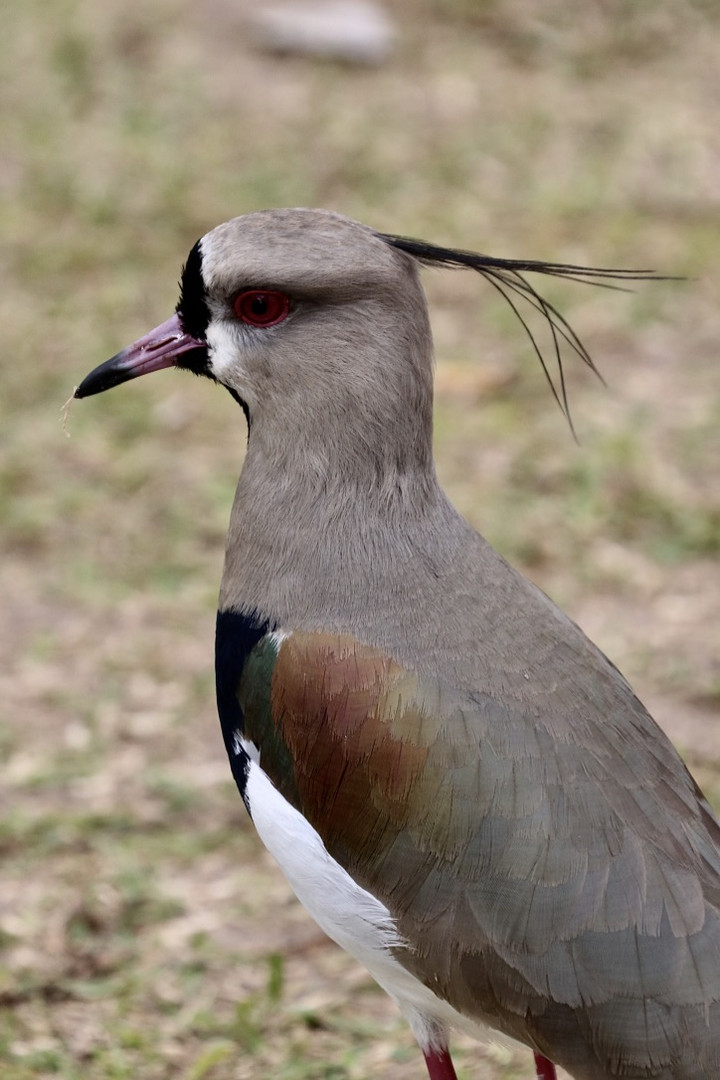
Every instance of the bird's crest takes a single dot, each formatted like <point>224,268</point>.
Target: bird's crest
<point>508,277</point>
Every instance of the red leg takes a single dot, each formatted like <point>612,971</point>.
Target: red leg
<point>439,1064</point>
<point>545,1068</point>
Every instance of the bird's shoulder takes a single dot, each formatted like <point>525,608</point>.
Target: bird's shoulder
<point>558,845</point>
<point>551,782</point>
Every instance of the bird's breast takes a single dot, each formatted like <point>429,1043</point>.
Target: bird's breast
<point>337,724</point>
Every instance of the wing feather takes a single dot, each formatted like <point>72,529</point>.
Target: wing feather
<point>554,868</point>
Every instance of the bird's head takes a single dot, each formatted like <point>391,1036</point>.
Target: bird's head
<point>318,327</point>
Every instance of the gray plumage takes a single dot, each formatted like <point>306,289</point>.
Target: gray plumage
<point>548,861</point>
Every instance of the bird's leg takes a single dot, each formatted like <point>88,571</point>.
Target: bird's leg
<point>545,1068</point>
<point>439,1064</point>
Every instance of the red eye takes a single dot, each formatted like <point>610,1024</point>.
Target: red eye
<point>261,307</point>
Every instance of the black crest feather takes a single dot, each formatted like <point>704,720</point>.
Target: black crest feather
<point>507,276</point>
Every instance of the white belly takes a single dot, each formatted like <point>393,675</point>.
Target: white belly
<point>350,915</point>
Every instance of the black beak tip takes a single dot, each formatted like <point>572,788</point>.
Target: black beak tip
<point>82,391</point>
<point>112,373</point>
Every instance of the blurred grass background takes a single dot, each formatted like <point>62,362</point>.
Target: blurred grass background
<point>143,933</point>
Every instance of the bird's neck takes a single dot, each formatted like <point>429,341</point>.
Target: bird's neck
<point>312,541</point>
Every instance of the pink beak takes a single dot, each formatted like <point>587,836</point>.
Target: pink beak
<point>158,349</point>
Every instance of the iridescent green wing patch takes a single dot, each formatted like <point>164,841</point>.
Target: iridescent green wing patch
<point>261,726</point>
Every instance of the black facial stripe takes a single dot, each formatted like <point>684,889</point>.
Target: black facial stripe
<point>243,404</point>
<point>192,306</point>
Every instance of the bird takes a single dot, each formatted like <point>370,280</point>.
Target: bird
<point>461,789</point>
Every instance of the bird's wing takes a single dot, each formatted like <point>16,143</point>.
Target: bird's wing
<point>530,855</point>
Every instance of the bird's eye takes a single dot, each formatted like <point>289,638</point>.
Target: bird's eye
<point>261,307</point>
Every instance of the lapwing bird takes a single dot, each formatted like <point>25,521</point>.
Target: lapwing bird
<point>458,785</point>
